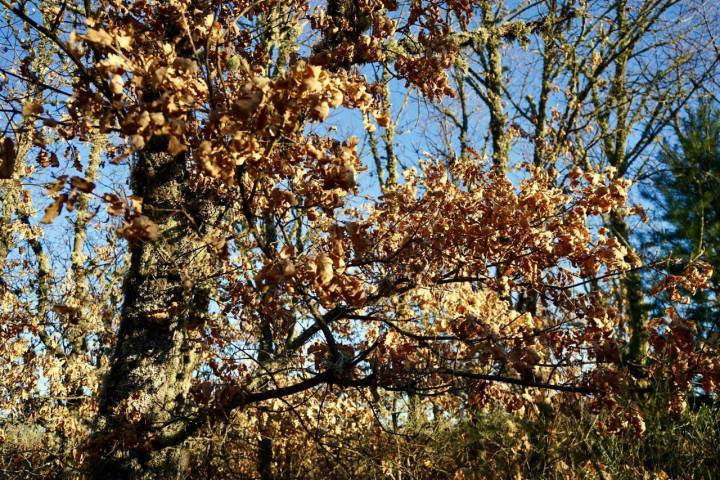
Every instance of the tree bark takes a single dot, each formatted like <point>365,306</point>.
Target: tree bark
<point>498,117</point>
<point>632,298</point>
<point>145,394</point>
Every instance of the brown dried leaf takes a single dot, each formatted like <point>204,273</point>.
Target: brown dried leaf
<point>140,229</point>
<point>312,84</point>
<point>124,41</point>
<point>175,146</point>
<point>57,185</point>
<point>100,37</point>
<point>117,84</point>
<point>324,265</point>
<point>321,111</point>
<point>32,108</point>
<point>54,209</point>
<point>82,184</point>
<point>247,104</point>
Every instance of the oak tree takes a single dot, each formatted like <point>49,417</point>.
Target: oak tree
<point>264,276</point>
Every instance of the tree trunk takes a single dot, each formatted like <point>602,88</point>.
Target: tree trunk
<point>498,117</point>
<point>144,396</point>
<point>632,298</point>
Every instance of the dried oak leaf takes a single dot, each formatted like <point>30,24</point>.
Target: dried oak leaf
<point>140,229</point>
<point>324,268</point>
<point>176,146</point>
<point>56,186</point>
<point>52,211</point>
<point>32,108</point>
<point>82,184</point>
<point>321,111</point>
<point>100,37</point>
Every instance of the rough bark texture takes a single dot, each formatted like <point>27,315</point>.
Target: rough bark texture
<point>494,93</point>
<point>144,396</point>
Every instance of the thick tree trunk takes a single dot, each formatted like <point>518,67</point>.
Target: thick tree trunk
<point>144,396</point>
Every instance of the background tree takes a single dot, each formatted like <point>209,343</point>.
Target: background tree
<point>686,190</point>
<point>602,81</point>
